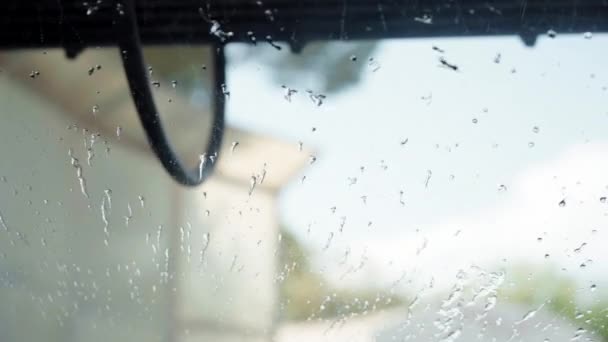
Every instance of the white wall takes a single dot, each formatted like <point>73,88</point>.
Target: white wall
<point>59,281</point>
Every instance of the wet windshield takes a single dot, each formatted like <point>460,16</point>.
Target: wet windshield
<point>430,189</point>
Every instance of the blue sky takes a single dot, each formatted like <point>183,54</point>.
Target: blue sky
<point>559,87</point>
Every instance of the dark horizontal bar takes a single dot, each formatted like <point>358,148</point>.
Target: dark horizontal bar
<point>76,24</point>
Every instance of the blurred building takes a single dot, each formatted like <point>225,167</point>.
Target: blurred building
<point>99,243</point>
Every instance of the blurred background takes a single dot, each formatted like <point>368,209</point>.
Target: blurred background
<point>403,190</point>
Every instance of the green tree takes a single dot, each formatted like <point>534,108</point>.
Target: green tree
<point>559,293</point>
<point>335,65</point>
<point>305,294</point>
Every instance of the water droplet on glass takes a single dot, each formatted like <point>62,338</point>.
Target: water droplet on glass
<point>593,287</point>
<point>312,159</point>
<point>201,164</point>
<point>272,43</point>
<point>580,248</point>
<point>142,201</point>
<point>445,64</point>
<point>502,188</point>
<point>383,165</point>
<point>603,199</point>
<point>497,58</point>
<point>353,58</point>
<point>531,144</point>
<point>92,7</point>
<point>81,180</point>
<point>588,35</point>
<point>529,315</point>
<point>429,174</point>
<point>93,68</point>
<point>269,15</point>
<point>129,215</point>
<point>206,241</point>
<point>217,31</point>
<point>317,99</point>
<point>562,203</point>
<point>253,181</point>
<point>438,49</point>
<point>104,217</point>
<point>120,9</point>
<point>328,243</point>
<point>224,89</point>
<point>492,300</point>
<point>3,223</point>
<point>342,223</point>
<point>373,64</point>
<point>535,129</point>
<point>425,19</point>
<point>108,196</point>
<point>233,146</point>
<point>578,334</point>
<point>551,34</point>
<point>289,92</point>
<point>252,37</point>
<point>452,335</point>
<point>156,84</point>
<point>474,120</point>
<point>118,131</point>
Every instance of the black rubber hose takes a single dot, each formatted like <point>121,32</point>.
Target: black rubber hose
<point>133,61</point>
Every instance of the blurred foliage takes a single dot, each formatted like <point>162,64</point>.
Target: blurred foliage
<point>335,66</point>
<point>559,293</point>
<point>183,63</point>
<point>305,294</point>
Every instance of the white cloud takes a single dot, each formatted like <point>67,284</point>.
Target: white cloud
<point>508,233</point>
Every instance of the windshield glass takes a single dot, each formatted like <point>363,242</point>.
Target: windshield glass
<point>431,189</point>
